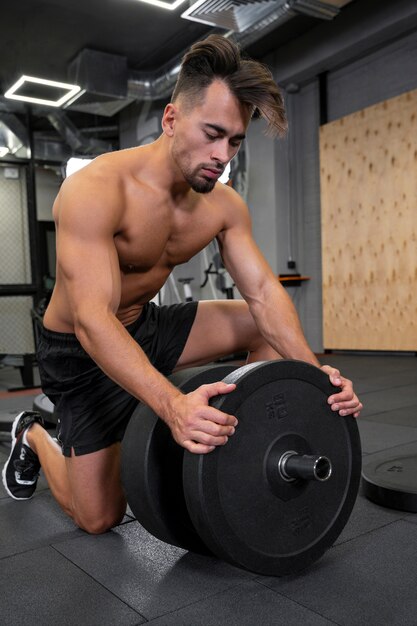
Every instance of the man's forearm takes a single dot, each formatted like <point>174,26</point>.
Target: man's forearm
<point>109,344</point>
<point>278,322</point>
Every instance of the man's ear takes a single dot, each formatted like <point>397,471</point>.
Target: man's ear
<point>169,118</point>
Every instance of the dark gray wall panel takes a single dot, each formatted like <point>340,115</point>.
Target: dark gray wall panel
<point>384,74</point>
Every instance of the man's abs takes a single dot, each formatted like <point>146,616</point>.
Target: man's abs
<point>52,319</point>
<point>135,294</point>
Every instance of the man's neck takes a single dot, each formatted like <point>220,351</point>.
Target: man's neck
<point>160,171</point>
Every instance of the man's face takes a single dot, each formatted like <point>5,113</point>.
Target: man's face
<point>208,136</point>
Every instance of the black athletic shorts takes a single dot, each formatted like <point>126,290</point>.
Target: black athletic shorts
<point>93,411</point>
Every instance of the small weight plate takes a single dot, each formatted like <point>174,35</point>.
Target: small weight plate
<point>152,467</point>
<point>391,481</point>
<point>239,504</point>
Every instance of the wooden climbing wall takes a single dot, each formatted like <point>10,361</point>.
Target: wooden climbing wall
<point>368,172</point>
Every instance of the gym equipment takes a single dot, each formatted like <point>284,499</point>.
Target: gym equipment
<point>24,362</point>
<point>44,406</point>
<point>224,282</point>
<point>390,479</point>
<point>188,294</point>
<point>152,467</point>
<point>279,493</point>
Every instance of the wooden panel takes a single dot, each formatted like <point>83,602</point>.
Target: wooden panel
<point>368,165</point>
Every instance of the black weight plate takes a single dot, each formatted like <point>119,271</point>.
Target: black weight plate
<point>244,512</point>
<point>152,467</point>
<point>391,481</point>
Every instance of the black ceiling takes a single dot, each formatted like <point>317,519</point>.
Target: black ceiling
<point>42,37</point>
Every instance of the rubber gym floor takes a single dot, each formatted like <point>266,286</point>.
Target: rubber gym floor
<point>53,573</point>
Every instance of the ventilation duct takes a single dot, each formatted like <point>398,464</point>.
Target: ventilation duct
<point>74,137</point>
<point>259,17</point>
<point>236,15</point>
<point>108,86</point>
<point>240,15</point>
<point>103,80</point>
<point>13,135</point>
<point>154,86</point>
<point>315,8</point>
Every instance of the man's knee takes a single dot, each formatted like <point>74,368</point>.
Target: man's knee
<point>100,524</point>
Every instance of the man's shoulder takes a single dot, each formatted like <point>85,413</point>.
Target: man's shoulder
<point>104,177</point>
<point>229,200</point>
<point>109,167</point>
<point>234,210</point>
<point>97,188</point>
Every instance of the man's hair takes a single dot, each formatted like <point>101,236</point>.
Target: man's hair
<point>250,82</point>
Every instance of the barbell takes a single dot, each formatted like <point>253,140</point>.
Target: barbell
<point>276,496</point>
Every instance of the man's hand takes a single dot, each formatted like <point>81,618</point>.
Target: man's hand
<point>197,426</point>
<point>346,402</point>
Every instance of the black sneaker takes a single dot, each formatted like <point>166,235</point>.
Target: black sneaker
<point>21,470</point>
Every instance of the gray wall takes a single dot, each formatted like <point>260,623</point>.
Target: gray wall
<point>383,74</point>
<point>262,191</point>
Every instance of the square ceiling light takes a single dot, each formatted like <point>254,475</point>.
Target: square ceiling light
<point>42,91</point>
<point>164,4</point>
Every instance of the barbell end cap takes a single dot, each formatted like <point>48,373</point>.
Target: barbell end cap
<point>293,466</point>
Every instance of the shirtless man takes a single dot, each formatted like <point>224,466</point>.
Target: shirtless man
<point>123,223</point>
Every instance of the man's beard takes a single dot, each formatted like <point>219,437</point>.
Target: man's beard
<point>200,184</point>
<point>197,181</point>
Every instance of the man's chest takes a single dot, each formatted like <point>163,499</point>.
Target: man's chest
<point>168,239</point>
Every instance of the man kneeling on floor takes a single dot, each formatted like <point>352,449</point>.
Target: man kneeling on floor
<point>123,223</point>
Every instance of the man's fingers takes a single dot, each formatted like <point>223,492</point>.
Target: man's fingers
<point>345,404</point>
<point>352,407</point>
<point>216,389</point>
<point>218,417</point>
<point>199,427</point>
<point>212,414</point>
<point>345,409</point>
<point>344,396</point>
<point>212,428</point>
<point>353,410</point>
<point>202,443</point>
<point>197,448</point>
<point>334,375</point>
<point>209,440</point>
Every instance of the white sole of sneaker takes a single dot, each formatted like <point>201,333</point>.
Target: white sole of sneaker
<point>3,474</point>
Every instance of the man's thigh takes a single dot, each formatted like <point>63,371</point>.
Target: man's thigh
<point>221,327</point>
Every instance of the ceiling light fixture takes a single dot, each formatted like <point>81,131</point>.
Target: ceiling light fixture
<point>171,5</point>
<point>41,91</point>
<point>3,151</point>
